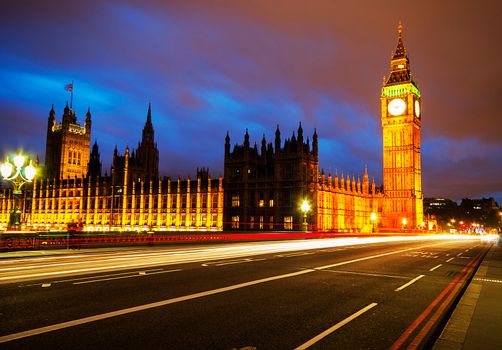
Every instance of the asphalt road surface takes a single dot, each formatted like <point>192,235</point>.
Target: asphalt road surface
<point>315,294</point>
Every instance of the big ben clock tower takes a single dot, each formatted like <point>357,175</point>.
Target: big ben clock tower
<point>401,120</point>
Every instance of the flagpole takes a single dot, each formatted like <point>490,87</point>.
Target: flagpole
<point>71,97</point>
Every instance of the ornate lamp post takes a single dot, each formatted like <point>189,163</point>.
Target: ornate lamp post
<point>305,208</point>
<point>404,222</point>
<point>17,174</point>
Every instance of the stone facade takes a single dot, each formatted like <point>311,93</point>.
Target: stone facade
<point>401,123</point>
<point>68,145</point>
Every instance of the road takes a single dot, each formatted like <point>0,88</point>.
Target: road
<point>316,294</point>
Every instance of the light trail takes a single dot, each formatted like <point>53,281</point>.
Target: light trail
<point>58,266</point>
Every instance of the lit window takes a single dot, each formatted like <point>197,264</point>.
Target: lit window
<point>288,222</point>
<point>235,222</point>
<point>271,203</point>
<point>261,203</point>
<point>235,201</point>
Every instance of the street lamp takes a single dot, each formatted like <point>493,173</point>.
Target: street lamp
<point>404,222</point>
<point>373,218</point>
<point>305,208</point>
<point>17,177</point>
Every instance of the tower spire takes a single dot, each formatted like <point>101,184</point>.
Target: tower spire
<point>148,133</point>
<point>400,50</point>
<point>399,64</point>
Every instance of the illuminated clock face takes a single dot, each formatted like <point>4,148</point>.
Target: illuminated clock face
<point>417,109</point>
<point>397,106</point>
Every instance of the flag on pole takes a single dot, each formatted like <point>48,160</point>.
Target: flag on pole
<point>69,87</point>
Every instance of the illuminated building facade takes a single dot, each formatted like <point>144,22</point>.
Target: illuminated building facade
<point>401,122</point>
<point>68,145</point>
<point>262,189</point>
<point>155,204</point>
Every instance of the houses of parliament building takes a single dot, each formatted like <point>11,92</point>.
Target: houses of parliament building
<point>262,187</point>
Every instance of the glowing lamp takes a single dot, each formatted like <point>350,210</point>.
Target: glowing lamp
<point>404,221</point>
<point>373,216</point>
<point>305,206</point>
<point>18,161</point>
<point>30,172</point>
<point>6,169</point>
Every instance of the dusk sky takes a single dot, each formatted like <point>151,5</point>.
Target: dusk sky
<point>212,66</point>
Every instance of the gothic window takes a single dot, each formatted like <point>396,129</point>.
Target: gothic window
<point>204,201</point>
<point>193,201</point>
<point>235,200</point>
<point>215,201</point>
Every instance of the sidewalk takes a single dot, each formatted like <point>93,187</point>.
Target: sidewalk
<point>476,322</point>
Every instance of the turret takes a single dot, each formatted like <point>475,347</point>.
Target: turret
<point>94,166</point>
<point>277,140</point>
<point>51,121</point>
<point>300,135</point>
<point>246,140</point>
<point>88,122</point>
<point>366,181</point>
<point>263,146</point>
<point>227,144</point>
<point>315,146</point>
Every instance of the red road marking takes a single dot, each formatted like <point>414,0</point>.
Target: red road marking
<point>457,283</point>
